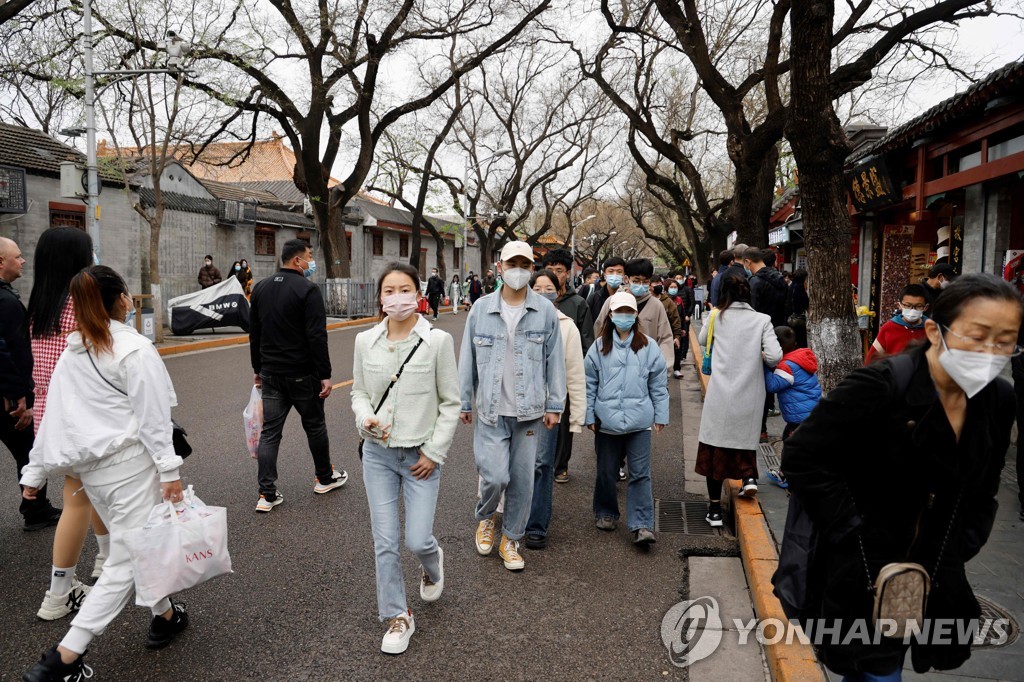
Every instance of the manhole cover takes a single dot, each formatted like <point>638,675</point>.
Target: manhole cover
<point>771,460</point>
<point>677,516</point>
<point>997,627</point>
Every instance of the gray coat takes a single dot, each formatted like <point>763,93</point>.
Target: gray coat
<point>735,396</point>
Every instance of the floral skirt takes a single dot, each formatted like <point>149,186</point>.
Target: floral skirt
<point>722,463</point>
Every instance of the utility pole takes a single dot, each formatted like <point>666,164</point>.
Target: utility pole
<point>92,207</point>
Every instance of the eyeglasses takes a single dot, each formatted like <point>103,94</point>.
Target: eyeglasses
<point>977,345</point>
<point>920,307</point>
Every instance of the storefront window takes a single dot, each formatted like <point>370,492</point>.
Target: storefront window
<point>1000,150</point>
<point>965,159</point>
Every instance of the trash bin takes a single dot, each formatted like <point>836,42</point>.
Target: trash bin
<point>149,324</point>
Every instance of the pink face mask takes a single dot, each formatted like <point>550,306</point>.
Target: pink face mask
<point>399,306</point>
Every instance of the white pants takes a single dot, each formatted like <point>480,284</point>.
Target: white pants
<point>123,495</point>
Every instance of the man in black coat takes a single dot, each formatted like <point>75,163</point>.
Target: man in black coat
<point>767,286</point>
<point>16,384</point>
<point>435,291</point>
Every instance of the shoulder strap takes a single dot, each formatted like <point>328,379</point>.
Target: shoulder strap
<point>108,381</point>
<point>398,375</point>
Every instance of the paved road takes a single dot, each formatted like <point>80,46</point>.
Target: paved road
<point>301,603</point>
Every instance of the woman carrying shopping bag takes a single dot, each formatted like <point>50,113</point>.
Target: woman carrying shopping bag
<point>455,294</point>
<point>627,397</point>
<point>108,420</point>
<point>405,396</point>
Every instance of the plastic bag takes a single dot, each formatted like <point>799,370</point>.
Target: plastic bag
<point>180,546</point>
<point>252,421</point>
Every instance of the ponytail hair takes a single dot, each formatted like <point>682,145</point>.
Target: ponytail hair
<point>96,292</point>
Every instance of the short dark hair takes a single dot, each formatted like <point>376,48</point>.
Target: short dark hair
<point>725,257</point>
<point>950,303</point>
<point>769,257</point>
<point>292,248</point>
<point>656,277</point>
<point>543,272</point>
<point>587,272</point>
<point>944,269</point>
<point>208,257</point>
<point>753,254</point>
<point>640,267</point>
<point>800,276</point>
<point>915,290</point>
<point>559,257</point>
<point>785,335</point>
<point>612,262</point>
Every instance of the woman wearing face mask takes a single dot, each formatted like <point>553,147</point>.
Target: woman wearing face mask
<point>108,419</point>
<point>936,421</point>
<point>682,296</point>
<point>455,293</point>
<point>244,275</point>
<point>545,283</point>
<point>405,396</point>
<point>627,397</point>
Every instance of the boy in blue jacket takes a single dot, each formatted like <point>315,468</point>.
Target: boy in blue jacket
<point>795,380</point>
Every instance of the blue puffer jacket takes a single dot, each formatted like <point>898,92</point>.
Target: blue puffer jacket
<point>626,391</point>
<point>796,382</point>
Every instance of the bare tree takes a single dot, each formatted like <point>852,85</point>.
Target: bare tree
<point>11,8</point>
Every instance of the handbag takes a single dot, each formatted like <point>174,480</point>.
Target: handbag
<point>384,396</point>
<point>182,448</point>
<point>705,365</point>
<point>901,589</point>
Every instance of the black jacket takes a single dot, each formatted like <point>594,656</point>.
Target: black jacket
<point>797,301</point>
<point>768,294</point>
<point>685,293</point>
<point>575,307</point>
<point>15,349</point>
<point>435,285</point>
<point>288,327</point>
<point>597,298</point>
<point>885,466</point>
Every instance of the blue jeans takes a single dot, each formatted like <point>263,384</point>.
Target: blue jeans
<point>543,482</point>
<point>636,447</point>
<point>385,475</point>
<point>894,676</point>
<point>506,456</point>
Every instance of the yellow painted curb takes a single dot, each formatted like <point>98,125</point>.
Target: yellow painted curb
<point>788,662</point>
<point>243,339</point>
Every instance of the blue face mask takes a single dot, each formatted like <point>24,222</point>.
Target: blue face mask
<point>310,268</point>
<point>613,281</point>
<point>638,290</point>
<point>623,321</point>
<point>550,295</point>
<point>672,291</point>
<point>749,273</point>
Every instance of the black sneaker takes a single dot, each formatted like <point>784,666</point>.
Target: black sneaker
<point>162,631</point>
<point>51,669</point>
<point>536,541</point>
<point>44,520</point>
<point>714,518</point>
<point>749,488</point>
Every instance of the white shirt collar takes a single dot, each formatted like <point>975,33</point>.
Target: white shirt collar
<point>422,330</point>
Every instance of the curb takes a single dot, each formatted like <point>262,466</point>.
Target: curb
<point>243,340</point>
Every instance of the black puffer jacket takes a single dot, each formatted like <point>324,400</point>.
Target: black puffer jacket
<point>768,294</point>
<point>885,466</point>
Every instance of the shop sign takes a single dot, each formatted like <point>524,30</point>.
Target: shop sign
<point>870,186</point>
<point>778,236</point>
<point>956,243</point>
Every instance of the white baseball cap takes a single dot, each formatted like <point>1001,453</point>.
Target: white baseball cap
<point>623,299</point>
<point>513,249</point>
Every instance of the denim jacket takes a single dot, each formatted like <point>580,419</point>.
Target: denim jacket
<point>539,357</point>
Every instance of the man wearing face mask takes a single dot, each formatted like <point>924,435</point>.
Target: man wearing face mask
<point>939,277</point>
<point>288,348</point>
<point>435,291</point>
<point>653,318</point>
<point>512,371</point>
<point>614,274</point>
<point>208,274</point>
<point>903,329</point>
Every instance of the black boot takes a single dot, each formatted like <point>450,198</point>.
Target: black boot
<point>162,631</point>
<point>51,668</point>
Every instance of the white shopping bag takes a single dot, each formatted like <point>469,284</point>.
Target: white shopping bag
<point>252,421</point>
<point>179,547</point>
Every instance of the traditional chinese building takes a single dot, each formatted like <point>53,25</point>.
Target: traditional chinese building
<point>944,187</point>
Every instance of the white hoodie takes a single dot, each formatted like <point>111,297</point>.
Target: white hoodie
<point>90,426</point>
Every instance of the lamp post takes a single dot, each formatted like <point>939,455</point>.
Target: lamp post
<point>504,151</point>
<point>572,248</point>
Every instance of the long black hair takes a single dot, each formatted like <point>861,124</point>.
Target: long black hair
<point>735,289</point>
<point>61,253</point>
<point>608,332</point>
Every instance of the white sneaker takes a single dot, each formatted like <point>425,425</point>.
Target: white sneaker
<point>431,591</point>
<point>396,639</point>
<point>59,605</point>
<point>338,479</point>
<point>264,506</point>
<point>678,374</point>
<point>97,566</point>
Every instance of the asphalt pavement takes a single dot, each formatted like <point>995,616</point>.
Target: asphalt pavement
<point>301,602</point>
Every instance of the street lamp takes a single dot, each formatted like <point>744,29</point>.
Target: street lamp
<point>573,247</point>
<point>504,151</point>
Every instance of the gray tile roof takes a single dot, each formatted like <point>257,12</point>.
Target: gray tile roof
<point>1007,81</point>
<point>40,154</point>
<point>236,192</point>
<point>284,190</point>
<point>278,216</point>
<point>179,202</point>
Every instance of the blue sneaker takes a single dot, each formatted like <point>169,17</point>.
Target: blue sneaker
<point>778,478</point>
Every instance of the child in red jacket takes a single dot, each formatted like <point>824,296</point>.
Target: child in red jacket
<point>905,328</point>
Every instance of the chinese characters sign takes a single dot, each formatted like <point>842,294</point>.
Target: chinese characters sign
<point>870,186</point>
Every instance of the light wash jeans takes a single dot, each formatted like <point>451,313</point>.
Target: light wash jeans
<point>386,475</point>
<point>506,456</point>
<point>543,482</point>
<point>636,447</point>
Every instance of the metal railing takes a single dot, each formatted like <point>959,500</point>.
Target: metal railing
<point>349,299</point>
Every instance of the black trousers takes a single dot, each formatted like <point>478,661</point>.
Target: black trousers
<point>435,302</point>
<point>769,404</point>
<point>20,444</point>
<point>563,450</point>
<point>280,395</point>
<point>1020,443</point>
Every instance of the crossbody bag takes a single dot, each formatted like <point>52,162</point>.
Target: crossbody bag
<point>179,435</point>
<point>705,365</point>
<point>384,396</point>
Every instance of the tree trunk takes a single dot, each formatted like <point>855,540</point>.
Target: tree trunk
<point>328,217</point>
<point>154,271</point>
<point>752,198</point>
<point>820,148</point>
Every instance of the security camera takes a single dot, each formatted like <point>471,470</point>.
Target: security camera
<point>171,34</point>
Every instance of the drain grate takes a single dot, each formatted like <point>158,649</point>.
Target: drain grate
<point>996,635</point>
<point>767,452</point>
<point>678,516</point>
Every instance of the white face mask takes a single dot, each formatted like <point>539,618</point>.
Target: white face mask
<point>971,370</point>
<point>943,284</point>
<point>516,278</point>
<point>912,315</point>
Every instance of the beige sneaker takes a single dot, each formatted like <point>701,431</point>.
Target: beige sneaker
<point>396,639</point>
<point>97,566</point>
<point>485,537</point>
<point>59,605</point>
<point>509,553</point>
